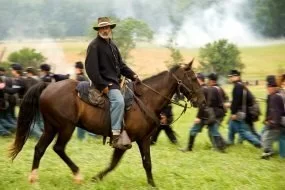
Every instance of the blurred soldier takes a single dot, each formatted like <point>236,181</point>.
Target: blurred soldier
<point>217,99</point>
<point>2,73</point>
<point>17,88</point>
<point>31,78</point>
<point>45,74</point>
<point>3,108</point>
<point>79,71</point>
<point>7,116</point>
<point>241,99</point>
<point>166,118</point>
<point>273,120</point>
<point>215,103</point>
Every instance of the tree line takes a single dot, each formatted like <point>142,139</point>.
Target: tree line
<point>53,18</point>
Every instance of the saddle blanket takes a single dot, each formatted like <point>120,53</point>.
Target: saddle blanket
<point>92,96</point>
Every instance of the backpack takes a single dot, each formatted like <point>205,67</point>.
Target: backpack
<point>254,109</point>
<point>212,114</point>
<point>282,117</point>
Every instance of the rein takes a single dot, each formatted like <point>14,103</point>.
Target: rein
<point>180,83</point>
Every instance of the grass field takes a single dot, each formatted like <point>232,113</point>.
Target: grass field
<point>240,168</point>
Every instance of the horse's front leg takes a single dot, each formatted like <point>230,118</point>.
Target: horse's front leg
<point>144,147</point>
<point>117,155</point>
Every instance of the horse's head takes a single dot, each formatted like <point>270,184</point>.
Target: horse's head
<point>188,84</point>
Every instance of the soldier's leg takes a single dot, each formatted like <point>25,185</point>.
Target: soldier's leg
<point>215,136</point>
<point>10,114</point>
<point>282,143</point>
<point>117,109</point>
<point>170,134</point>
<point>40,122</point>
<point>268,138</point>
<point>155,135</point>
<point>36,131</point>
<point>7,125</point>
<point>197,128</point>
<point>253,131</point>
<point>247,135</point>
<point>233,125</point>
<point>80,133</point>
<point>4,131</point>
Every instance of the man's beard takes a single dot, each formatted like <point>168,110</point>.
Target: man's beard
<point>105,35</point>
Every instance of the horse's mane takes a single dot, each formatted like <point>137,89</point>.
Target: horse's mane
<point>172,69</point>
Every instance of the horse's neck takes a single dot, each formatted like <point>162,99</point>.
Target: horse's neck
<point>165,86</point>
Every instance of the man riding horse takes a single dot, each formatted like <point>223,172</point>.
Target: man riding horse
<point>104,66</point>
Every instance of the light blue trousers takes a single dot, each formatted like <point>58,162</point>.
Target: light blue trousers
<point>117,109</point>
<point>242,128</point>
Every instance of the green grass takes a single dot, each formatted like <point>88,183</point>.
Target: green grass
<point>240,168</point>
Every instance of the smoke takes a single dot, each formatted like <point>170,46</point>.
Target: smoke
<point>55,56</point>
<point>202,21</point>
<point>222,19</point>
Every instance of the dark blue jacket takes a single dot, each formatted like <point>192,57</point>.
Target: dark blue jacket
<point>104,64</point>
<point>275,110</point>
<point>237,99</point>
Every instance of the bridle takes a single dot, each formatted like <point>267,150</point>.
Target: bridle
<point>180,85</point>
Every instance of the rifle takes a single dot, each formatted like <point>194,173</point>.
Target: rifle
<point>2,53</point>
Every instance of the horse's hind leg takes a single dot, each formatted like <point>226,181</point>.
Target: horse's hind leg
<point>117,155</point>
<point>63,137</point>
<point>144,147</point>
<point>40,149</point>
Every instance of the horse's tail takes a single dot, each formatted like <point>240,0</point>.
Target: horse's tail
<point>29,111</point>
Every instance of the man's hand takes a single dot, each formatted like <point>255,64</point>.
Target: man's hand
<point>2,85</point>
<point>163,119</point>
<point>197,121</point>
<point>105,90</point>
<point>227,105</point>
<point>136,79</point>
<point>234,117</point>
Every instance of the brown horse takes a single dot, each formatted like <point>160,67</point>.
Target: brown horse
<point>62,110</point>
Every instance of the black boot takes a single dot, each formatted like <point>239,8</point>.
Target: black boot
<point>220,144</point>
<point>190,144</point>
<point>170,134</point>
<point>118,142</point>
<point>155,136</point>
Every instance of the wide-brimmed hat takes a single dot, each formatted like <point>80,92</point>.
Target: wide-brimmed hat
<point>16,67</point>
<point>45,67</point>
<point>79,65</point>
<point>213,76</point>
<point>104,21</point>
<point>271,81</point>
<point>31,70</point>
<point>200,76</point>
<point>234,73</point>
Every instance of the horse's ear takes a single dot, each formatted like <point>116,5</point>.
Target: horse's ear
<point>189,65</point>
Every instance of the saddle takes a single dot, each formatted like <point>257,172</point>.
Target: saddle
<point>92,96</point>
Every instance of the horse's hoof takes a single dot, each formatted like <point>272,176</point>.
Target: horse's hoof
<point>96,178</point>
<point>152,184</point>
<point>33,177</point>
<point>78,178</point>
